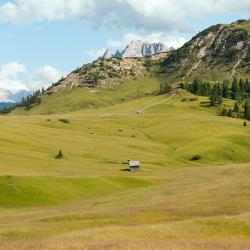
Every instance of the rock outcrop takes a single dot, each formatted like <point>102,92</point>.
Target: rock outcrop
<point>137,49</point>
<point>108,54</point>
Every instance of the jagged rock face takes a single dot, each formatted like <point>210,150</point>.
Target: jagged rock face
<point>118,54</point>
<point>108,54</point>
<point>137,49</point>
<point>142,49</point>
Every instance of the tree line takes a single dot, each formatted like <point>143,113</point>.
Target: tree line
<point>238,90</point>
<point>32,99</point>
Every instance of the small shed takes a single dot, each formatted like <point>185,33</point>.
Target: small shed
<point>139,112</point>
<point>134,165</point>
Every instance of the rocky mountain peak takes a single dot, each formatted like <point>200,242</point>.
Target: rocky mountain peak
<point>108,54</point>
<point>137,49</point>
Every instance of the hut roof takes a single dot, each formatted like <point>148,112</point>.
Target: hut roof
<point>133,163</point>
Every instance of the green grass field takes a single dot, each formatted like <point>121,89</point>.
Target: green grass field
<point>88,201</point>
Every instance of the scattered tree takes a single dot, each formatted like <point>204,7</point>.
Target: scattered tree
<point>59,156</point>
<point>247,110</point>
<point>196,158</point>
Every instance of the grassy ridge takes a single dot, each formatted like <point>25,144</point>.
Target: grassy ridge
<point>39,191</point>
<point>167,135</point>
<point>77,99</point>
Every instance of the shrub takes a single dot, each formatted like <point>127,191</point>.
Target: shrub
<point>59,155</point>
<point>165,88</point>
<point>193,99</point>
<point>64,120</point>
<point>196,158</point>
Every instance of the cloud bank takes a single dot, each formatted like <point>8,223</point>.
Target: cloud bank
<point>157,15</point>
<point>15,77</point>
<point>168,40</point>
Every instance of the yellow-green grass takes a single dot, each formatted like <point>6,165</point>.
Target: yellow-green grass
<point>87,201</point>
<point>194,206</point>
<point>19,191</point>
<point>76,99</point>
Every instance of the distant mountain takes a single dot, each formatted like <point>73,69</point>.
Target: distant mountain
<point>108,54</point>
<point>137,49</point>
<point>4,105</point>
<point>7,96</point>
<point>220,52</point>
<point>217,53</point>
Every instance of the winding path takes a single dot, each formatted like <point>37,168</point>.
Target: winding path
<point>141,110</point>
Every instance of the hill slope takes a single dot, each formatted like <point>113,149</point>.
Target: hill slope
<point>217,53</point>
<point>88,199</point>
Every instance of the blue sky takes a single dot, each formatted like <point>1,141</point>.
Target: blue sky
<point>43,40</point>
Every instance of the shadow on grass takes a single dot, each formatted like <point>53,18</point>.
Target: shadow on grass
<point>205,104</point>
<point>125,169</point>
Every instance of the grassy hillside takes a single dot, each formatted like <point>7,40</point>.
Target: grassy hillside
<point>87,199</point>
<point>217,53</point>
<point>193,189</point>
<point>214,54</point>
<point>67,100</point>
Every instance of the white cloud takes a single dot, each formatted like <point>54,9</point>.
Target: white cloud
<point>3,96</point>
<point>28,11</point>
<point>43,77</point>
<point>15,76</point>
<point>168,40</point>
<point>157,15</point>
<point>10,75</point>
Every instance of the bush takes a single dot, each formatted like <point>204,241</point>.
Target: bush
<point>165,88</point>
<point>64,120</point>
<point>193,99</point>
<point>60,155</point>
<point>196,158</point>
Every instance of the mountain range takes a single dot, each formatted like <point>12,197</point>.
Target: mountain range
<point>137,49</point>
<point>220,52</point>
<point>7,96</point>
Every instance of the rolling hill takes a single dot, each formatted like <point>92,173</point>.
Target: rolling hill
<point>218,53</point>
<point>193,189</point>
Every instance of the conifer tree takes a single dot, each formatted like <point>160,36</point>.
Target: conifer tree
<point>220,100</point>
<point>60,155</point>
<point>230,113</point>
<point>247,110</point>
<point>224,112</point>
<point>225,89</point>
<point>236,108</point>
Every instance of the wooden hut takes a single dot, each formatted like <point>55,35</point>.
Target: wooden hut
<point>134,165</point>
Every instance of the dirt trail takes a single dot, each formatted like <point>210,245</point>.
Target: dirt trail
<point>154,104</point>
<point>141,110</point>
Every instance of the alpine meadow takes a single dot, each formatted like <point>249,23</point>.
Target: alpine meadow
<point>146,148</point>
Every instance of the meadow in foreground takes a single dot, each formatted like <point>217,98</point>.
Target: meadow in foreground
<point>87,200</point>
